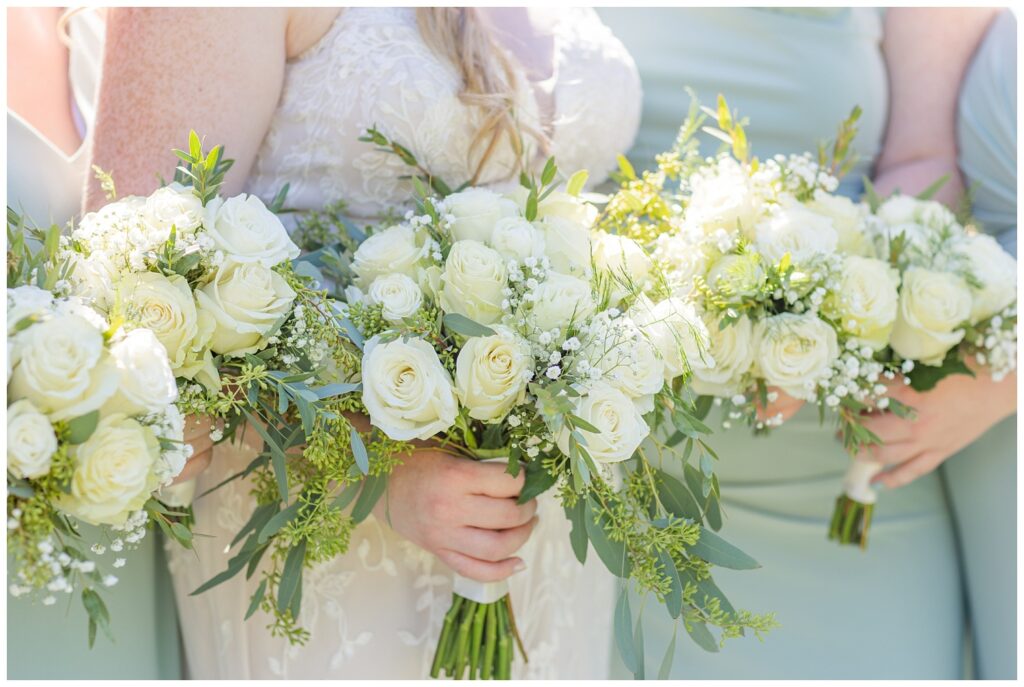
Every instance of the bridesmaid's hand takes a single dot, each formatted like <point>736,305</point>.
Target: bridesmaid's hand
<point>461,510</point>
<point>779,404</point>
<point>949,417</point>
<point>197,435</point>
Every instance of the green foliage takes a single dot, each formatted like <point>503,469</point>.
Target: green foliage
<point>204,172</point>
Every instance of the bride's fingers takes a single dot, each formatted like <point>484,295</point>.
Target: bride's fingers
<point>195,465</point>
<point>491,479</point>
<point>489,545</point>
<point>482,571</point>
<point>497,514</point>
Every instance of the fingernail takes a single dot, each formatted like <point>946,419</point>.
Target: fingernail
<point>519,567</point>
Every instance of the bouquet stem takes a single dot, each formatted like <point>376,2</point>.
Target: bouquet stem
<point>851,519</point>
<point>479,636</point>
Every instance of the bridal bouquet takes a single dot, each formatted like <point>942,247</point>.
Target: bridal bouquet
<point>957,300</point>
<point>506,327</point>
<point>92,433</point>
<point>252,344</point>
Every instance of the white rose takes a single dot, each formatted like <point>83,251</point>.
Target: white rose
<point>634,367</point>
<point>406,390</point>
<point>681,259</point>
<point>397,249</point>
<point>626,262</point>
<point>724,199</point>
<point>567,245</point>
<point>561,299</point>
<point>491,374</point>
<point>62,367</point>
<point>26,301</point>
<point>473,281</point>
<point>848,221</point>
<point>114,472</point>
<point>93,278</point>
<point>933,306</point>
<point>399,296</point>
<point>622,427</point>
<point>145,380</point>
<point>794,351</point>
<point>677,332</point>
<point>737,276</point>
<point>476,211</point>
<point>794,229</point>
<point>31,441</point>
<point>995,269</point>
<point>732,348</point>
<point>246,231</point>
<point>516,238</point>
<point>866,301</point>
<point>903,209</point>
<point>165,306</point>
<point>246,301</point>
<point>173,205</point>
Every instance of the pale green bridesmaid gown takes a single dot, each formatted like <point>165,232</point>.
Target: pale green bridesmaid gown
<point>50,642</point>
<point>982,479</point>
<point>897,610</point>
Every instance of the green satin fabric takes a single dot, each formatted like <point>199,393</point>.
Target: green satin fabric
<point>982,479</point>
<point>897,610</point>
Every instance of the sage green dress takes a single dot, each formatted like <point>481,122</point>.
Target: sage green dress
<point>982,479</point>
<point>50,642</point>
<point>896,610</point>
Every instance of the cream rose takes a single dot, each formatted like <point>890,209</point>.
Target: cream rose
<point>902,209</point>
<point>624,260</point>
<point>246,300</point>
<point>62,367</point>
<point>31,441</point>
<point>561,299</point>
<point>995,269</point>
<point>737,276</point>
<point>165,306</point>
<point>114,472</point>
<point>866,301</point>
<point>516,238</point>
<point>732,348</point>
<point>567,245</point>
<point>848,221</point>
<point>145,380</point>
<point>622,427</point>
<point>681,259</point>
<point>26,301</point>
<point>933,307</point>
<point>724,200</point>
<point>247,231</point>
<point>634,367</point>
<point>406,390</point>
<point>398,295</point>
<point>794,351</point>
<point>93,277</point>
<point>173,205</point>
<point>677,332</point>
<point>473,282</point>
<point>491,374</point>
<point>794,229</point>
<point>476,212</point>
<point>397,249</point>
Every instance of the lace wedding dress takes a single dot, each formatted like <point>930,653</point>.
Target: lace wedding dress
<point>376,612</point>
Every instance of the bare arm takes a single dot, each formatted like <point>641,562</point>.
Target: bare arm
<point>927,51</point>
<point>218,71</point>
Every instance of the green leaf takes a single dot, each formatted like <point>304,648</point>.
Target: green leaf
<point>372,489</point>
<point>359,452</point>
<point>460,324</point>
<point>702,406</point>
<point>717,551</point>
<point>580,423</point>
<point>277,456</point>
<point>235,564</point>
<point>925,377</point>
<point>666,662</point>
<point>98,615</point>
<point>257,597</point>
<point>576,182</point>
<point>623,626</point>
<point>538,480</point>
<point>638,646</point>
<point>578,535</point>
<point>677,498</point>
<point>612,554</point>
<point>347,496</point>
<point>336,389</point>
<point>874,202</point>
<point>550,170</point>
<point>531,206</point>
<point>930,192</point>
<point>674,598</point>
<point>279,520</point>
<point>626,168</point>
<point>702,636</point>
<point>182,534</point>
<point>291,575</point>
<point>82,427</point>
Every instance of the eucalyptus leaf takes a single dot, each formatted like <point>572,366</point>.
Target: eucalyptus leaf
<point>717,551</point>
<point>674,598</point>
<point>623,627</point>
<point>82,427</point>
<point>677,498</point>
<point>612,553</point>
<point>460,324</point>
<point>578,535</point>
<point>257,597</point>
<point>372,489</point>
<point>359,452</point>
<point>702,636</point>
<point>290,576</point>
<point>666,663</point>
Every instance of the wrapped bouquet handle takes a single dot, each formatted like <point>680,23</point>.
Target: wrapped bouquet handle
<point>479,628</point>
<point>851,519</point>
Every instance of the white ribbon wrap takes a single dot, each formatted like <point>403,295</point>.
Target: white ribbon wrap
<point>857,481</point>
<point>481,592</point>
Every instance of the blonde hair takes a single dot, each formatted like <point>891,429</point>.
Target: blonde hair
<point>489,80</point>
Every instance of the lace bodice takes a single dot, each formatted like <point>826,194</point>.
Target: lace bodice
<point>373,68</point>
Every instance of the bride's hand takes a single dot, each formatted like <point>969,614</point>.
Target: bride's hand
<point>461,510</point>
<point>949,417</point>
<point>784,405</point>
<point>197,435</point>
